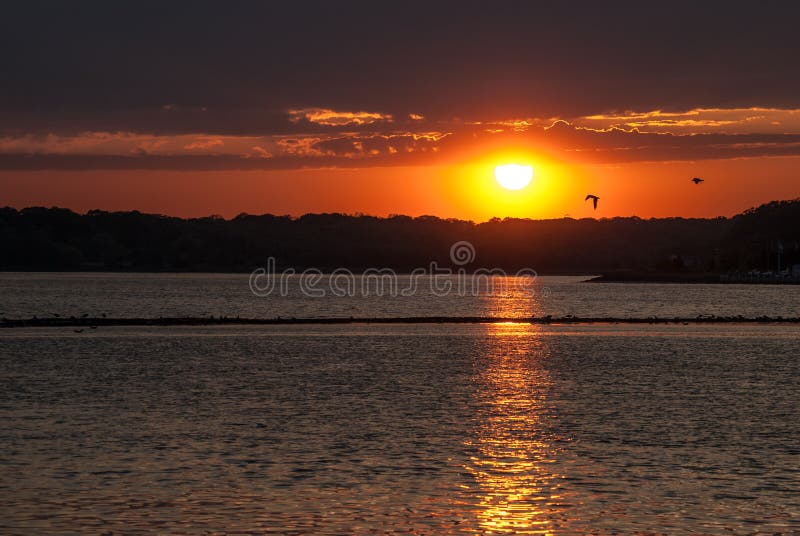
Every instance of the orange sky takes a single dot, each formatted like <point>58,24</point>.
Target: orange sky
<point>465,189</point>
<point>638,163</point>
<point>288,108</point>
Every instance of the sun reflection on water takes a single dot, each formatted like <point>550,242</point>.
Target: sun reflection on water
<point>513,455</point>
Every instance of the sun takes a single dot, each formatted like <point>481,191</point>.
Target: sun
<point>513,176</point>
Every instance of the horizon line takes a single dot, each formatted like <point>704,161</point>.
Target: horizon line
<point>296,217</point>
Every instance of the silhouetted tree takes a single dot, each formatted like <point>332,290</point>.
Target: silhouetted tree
<point>38,238</point>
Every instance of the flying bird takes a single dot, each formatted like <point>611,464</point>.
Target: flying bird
<point>697,180</point>
<point>594,199</point>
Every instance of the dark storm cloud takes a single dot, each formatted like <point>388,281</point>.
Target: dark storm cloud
<point>86,61</point>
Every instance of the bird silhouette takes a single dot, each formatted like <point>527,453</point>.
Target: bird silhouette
<point>697,180</point>
<point>594,199</point>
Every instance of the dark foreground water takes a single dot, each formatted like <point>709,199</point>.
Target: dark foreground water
<point>485,429</point>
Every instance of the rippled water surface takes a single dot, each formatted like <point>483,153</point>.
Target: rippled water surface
<point>154,295</point>
<point>428,429</point>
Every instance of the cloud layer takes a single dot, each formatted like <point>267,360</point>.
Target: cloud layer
<point>202,86</point>
<point>376,139</point>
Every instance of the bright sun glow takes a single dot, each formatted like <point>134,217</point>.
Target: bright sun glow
<point>513,176</point>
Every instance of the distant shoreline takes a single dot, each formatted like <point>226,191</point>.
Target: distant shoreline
<point>95,323</point>
<point>645,277</point>
<point>754,243</point>
<point>705,278</point>
<point>610,277</point>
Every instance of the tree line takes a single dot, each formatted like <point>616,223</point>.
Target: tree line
<point>39,238</point>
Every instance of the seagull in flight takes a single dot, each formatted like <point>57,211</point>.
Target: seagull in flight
<point>594,199</point>
<point>697,180</point>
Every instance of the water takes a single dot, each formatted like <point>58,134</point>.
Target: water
<point>421,429</point>
<point>154,295</point>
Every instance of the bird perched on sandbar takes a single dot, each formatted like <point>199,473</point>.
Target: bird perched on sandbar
<point>594,199</point>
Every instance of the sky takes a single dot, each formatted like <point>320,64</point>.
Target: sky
<point>201,108</point>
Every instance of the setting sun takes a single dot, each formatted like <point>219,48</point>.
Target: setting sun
<point>513,176</point>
